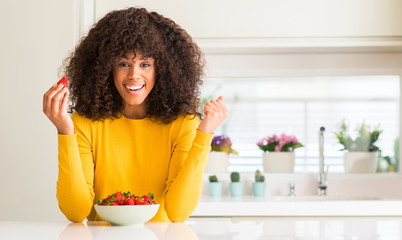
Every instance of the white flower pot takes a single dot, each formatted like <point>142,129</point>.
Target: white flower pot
<point>236,189</point>
<point>360,162</point>
<point>215,189</point>
<point>218,162</point>
<point>278,162</point>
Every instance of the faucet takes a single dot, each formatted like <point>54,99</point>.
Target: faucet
<point>322,178</point>
<point>291,190</point>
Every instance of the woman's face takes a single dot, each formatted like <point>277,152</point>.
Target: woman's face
<point>134,78</point>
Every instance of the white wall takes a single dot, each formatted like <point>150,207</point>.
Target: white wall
<point>35,37</point>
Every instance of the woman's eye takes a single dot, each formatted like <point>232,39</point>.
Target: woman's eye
<point>145,65</point>
<point>124,64</point>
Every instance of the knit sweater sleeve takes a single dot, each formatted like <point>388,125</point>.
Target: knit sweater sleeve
<point>186,170</point>
<point>75,192</point>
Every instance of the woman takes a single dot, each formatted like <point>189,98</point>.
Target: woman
<point>134,82</point>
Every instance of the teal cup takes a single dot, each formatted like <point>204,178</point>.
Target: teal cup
<point>236,189</point>
<point>259,189</point>
<point>215,189</point>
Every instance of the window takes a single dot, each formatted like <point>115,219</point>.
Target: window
<point>300,106</point>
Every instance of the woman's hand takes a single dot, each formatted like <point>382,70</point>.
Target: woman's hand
<point>54,106</point>
<point>215,113</point>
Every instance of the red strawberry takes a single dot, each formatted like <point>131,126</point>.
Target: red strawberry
<point>126,198</point>
<point>139,201</point>
<point>119,198</point>
<point>147,199</point>
<point>128,201</point>
<point>63,81</point>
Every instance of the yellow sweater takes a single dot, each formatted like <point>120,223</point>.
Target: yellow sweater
<point>140,156</point>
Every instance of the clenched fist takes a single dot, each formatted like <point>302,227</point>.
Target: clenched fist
<point>215,113</point>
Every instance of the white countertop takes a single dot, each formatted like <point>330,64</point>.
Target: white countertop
<point>297,206</point>
<point>213,228</point>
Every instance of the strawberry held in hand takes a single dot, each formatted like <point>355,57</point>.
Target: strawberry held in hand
<point>63,81</point>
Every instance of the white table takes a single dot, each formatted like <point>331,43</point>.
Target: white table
<point>214,228</point>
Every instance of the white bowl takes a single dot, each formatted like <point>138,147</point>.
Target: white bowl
<point>127,214</point>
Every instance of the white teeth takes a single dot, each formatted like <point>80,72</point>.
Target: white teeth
<point>134,87</point>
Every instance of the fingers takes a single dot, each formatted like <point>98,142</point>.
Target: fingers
<point>54,107</point>
<point>64,101</point>
<point>53,98</point>
<point>56,103</point>
<point>215,105</point>
<point>215,113</point>
<point>211,105</point>
<point>47,98</point>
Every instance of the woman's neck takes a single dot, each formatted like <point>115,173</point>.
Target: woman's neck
<point>134,112</point>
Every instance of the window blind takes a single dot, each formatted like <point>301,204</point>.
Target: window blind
<point>300,106</point>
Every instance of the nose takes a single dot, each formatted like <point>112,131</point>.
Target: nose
<point>135,72</point>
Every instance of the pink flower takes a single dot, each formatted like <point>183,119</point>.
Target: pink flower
<point>261,142</point>
<point>279,143</point>
<point>282,142</point>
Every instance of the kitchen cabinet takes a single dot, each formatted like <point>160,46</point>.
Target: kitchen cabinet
<point>265,19</point>
<point>277,26</point>
<point>347,195</point>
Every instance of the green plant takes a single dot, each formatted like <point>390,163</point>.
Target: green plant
<point>235,177</point>
<point>396,154</point>
<point>222,143</point>
<point>363,142</point>
<point>213,178</point>
<point>259,177</point>
<point>385,164</point>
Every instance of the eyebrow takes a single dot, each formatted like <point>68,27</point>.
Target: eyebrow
<point>142,58</point>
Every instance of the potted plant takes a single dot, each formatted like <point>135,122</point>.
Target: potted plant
<point>362,154</point>
<point>278,156</point>
<point>235,186</point>
<point>218,158</point>
<point>259,184</point>
<point>214,186</point>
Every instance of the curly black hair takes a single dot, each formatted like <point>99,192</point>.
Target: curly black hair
<point>179,65</point>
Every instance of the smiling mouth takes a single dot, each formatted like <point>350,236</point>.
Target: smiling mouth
<point>134,88</point>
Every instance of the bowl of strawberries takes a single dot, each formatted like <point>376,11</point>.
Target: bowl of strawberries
<point>125,208</point>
